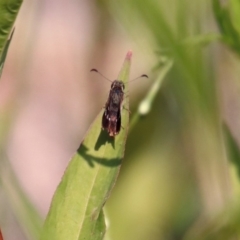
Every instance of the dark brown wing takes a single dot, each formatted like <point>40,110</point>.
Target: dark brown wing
<point>105,121</point>
<point>118,128</point>
<point>105,117</point>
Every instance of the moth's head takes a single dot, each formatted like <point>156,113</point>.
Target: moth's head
<point>117,84</point>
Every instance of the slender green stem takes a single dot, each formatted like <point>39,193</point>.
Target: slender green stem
<point>146,104</point>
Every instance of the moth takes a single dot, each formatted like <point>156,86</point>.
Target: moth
<point>111,119</point>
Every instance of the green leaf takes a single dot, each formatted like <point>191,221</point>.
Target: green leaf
<point>227,24</point>
<point>4,53</point>
<point>232,148</point>
<point>235,13</point>
<point>8,13</point>
<point>76,208</point>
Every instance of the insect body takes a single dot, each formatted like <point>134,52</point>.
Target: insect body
<point>111,119</point>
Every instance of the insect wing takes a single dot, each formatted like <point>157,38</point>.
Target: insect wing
<point>105,117</point>
<point>118,127</point>
<point>105,120</point>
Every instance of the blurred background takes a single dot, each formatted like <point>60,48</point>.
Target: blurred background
<point>179,178</point>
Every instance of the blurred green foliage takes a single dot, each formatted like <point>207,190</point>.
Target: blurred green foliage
<point>178,153</point>
<point>228,18</point>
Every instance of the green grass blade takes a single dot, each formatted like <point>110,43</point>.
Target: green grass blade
<point>232,148</point>
<point>4,53</point>
<point>8,13</point>
<point>227,23</point>
<point>76,209</point>
<point>146,104</point>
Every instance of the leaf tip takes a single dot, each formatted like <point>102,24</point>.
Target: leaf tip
<point>129,55</point>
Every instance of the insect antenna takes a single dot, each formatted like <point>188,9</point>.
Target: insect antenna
<point>95,70</point>
<point>142,76</point>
